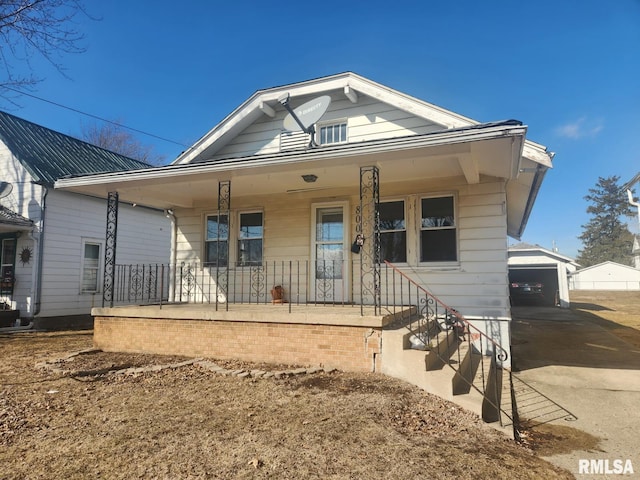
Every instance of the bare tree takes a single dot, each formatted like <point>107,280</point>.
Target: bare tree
<point>113,136</point>
<point>32,28</point>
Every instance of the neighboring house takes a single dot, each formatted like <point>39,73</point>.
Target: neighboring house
<point>606,276</point>
<point>532,263</point>
<point>255,193</point>
<point>53,241</point>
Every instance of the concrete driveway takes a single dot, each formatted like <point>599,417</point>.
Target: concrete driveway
<point>581,369</point>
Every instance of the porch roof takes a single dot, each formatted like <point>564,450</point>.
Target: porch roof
<point>10,221</point>
<point>493,150</point>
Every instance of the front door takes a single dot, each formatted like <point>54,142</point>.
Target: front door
<point>329,249</point>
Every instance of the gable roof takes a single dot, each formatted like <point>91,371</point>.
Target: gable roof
<point>262,102</point>
<point>608,263</point>
<point>526,247</point>
<point>49,155</point>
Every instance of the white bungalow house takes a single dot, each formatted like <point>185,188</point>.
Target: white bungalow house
<point>606,276</point>
<point>52,242</point>
<point>274,227</point>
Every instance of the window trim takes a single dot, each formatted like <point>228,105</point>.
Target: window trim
<point>206,240</point>
<point>420,229</point>
<point>99,270</point>
<point>238,239</point>
<point>405,205</point>
<point>332,123</point>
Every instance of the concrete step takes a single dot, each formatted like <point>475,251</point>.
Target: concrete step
<point>471,373</point>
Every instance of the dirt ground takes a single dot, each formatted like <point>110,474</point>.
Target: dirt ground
<point>189,422</point>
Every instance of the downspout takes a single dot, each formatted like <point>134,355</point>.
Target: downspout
<point>174,240</point>
<point>36,282</point>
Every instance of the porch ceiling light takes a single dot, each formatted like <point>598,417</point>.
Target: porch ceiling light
<point>310,178</point>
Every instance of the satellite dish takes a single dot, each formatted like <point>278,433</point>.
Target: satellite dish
<point>5,189</point>
<point>306,115</point>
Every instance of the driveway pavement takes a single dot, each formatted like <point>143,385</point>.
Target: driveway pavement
<point>581,369</point>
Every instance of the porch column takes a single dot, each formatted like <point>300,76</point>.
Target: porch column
<point>110,249</point>
<point>222,254</point>
<point>368,226</point>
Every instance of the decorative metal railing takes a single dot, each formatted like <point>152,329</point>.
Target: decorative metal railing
<point>479,361</point>
<point>290,283</point>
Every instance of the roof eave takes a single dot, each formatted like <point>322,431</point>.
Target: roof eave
<point>379,146</point>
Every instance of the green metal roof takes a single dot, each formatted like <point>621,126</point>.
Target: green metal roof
<point>49,155</point>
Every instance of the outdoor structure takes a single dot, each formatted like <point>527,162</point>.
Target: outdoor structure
<point>606,276</point>
<point>302,237</point>
<point>532,263</point>
<point>52,242</point>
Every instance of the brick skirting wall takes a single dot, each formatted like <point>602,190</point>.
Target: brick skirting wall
<point>348,348</point>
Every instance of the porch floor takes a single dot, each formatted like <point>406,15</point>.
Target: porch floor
<point>309,314</point>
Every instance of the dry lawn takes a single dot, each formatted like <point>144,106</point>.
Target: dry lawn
<point>618,312</point>
<point>189,422</point>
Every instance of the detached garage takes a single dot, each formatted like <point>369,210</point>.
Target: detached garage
<point>606,276</point>
<point>536,265</point>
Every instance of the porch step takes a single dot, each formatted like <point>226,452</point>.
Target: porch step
<point>472,373</point>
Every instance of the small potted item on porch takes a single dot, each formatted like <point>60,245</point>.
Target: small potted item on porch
<point>277,294</point>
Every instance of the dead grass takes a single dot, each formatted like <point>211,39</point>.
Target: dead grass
<point>191,423</point>
<point>616,311</point>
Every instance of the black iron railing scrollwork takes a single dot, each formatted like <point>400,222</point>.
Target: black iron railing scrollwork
<point>110,250</point>
<point>368,227</point>
<point>444,331</point>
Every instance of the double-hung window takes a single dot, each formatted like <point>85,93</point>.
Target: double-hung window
<point>250,239</point>
<point>90,267</point>
<point>393,232</point>
<point>438,230</point>
<point>217,241</point>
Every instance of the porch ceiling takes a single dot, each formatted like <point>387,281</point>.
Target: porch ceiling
<point>197,184</point>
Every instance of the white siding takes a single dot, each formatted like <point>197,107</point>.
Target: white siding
<point>369,119</point>
<point>476,285</point>
<point>606,276</point>
<point>143,237</point>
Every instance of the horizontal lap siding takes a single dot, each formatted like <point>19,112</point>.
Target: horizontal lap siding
<point>368,119</point>
<point>477,285</point>
<point>143,237</point>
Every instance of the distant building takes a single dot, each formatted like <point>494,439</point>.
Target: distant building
<point>52,242</point>
<point>606,276</point>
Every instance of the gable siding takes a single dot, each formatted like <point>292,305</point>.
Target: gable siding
<point>143,237</point>
<point>369,119</point>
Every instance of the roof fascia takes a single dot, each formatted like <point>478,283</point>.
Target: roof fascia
<point>395,144</point>
<point>548,253</point>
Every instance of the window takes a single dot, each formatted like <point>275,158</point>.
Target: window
<point>438,230</point>
<point>393,232</point>
<point>336,133</point>
<point>250,239</point>
<point>90,267</point>
<point>217,241</point>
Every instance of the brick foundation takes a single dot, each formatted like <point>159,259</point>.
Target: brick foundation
<point>346,347</point>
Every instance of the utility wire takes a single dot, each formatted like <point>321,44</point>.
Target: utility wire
<point>93,116</point>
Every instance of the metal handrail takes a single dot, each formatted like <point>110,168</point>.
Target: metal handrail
<point>456,328</point>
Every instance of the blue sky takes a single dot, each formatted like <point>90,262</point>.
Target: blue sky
<point>570,70</point>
